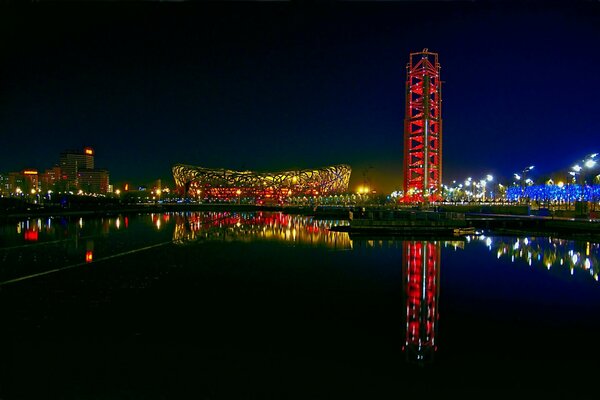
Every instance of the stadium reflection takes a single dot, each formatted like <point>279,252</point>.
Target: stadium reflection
<point>257,226</point>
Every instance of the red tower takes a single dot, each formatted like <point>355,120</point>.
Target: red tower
<point>423,129</point>
<point>421,275</point>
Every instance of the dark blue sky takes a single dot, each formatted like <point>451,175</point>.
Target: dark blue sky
<point>285,85</point>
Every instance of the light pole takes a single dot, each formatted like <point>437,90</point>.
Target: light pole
<point>488,178</point>
<point>523,181</point>
<point>588,162</point>
<point>468,184</point>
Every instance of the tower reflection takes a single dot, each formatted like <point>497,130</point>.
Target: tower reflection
<point>421,261</point>
<point>421,289</point>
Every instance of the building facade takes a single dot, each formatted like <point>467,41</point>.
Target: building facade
<point>92,180</point>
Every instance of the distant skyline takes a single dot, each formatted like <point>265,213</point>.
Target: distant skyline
<point>278,86</point>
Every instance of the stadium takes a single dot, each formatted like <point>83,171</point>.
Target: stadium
<point>260,187</point>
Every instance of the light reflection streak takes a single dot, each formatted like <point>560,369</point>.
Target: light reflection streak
<point>548,252</point>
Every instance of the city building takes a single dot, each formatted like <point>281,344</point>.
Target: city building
<point>71,161</point>
<point>52,180</point>
<point>75,173</point>
<point>92,180</point>
<point>4,185</point>
<point>78,173</point>
<point>259,187</point>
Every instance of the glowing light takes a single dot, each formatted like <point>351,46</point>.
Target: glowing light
<point>89,151</point>
<point>89,256</point>
<point>30,172</point>
<point>574,259</point>
<point>590,163</point>
<point>118,192</point>
<point>31,235</point>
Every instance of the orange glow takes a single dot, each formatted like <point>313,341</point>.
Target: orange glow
<point>126,186</point>
<point>89,151</point>
<point>89,256</point>
<point>30,172</point>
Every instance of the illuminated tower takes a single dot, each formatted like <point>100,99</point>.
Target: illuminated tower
<point>423,129</point>
<point>421,276</point>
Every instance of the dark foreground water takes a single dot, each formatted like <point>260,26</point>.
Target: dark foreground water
<point>272,306</point>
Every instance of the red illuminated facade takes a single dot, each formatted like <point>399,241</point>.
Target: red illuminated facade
<point>423,129</point>
<point>421,263</point>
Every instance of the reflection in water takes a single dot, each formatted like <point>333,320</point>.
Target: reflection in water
<point>89,251</point>
<point>421,278</point>
<point>79,240</point>
<point>546,251</point>
<point>247,227</point>
<point>71,232</point>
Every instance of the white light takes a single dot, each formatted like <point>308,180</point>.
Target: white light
<point>590,163</point>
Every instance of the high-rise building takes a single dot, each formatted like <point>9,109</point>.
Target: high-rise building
<point>71,161</point>
<point>423,129</point>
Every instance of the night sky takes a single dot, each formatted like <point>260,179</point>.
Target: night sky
<point>275,86</point>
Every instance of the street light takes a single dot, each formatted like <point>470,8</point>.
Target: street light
<point>588,162</point>
<point>523,178</point>
<point>468,183</point>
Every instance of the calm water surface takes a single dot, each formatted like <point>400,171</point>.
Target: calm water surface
<point>275,306</point>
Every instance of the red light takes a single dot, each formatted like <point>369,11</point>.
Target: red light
<point>89,256</point>
<point>31,235</point>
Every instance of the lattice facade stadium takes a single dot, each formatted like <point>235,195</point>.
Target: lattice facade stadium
<point>224,184</point>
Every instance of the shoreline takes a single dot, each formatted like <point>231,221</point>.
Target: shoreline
<point>576,227</point>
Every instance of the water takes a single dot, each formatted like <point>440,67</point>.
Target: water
<point>275,306</point>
